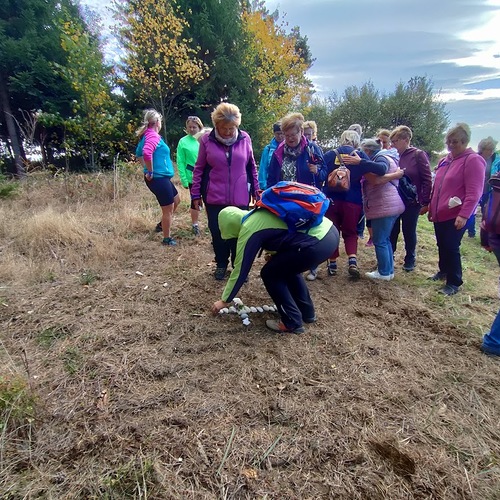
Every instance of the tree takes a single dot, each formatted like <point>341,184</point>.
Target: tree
<point>29,41</point>
<point>160,64</point>
<point>89,77</point>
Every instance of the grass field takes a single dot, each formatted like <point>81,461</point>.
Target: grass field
<point>117,382</point>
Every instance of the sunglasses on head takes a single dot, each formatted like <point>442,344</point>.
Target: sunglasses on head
<point>193,118</point>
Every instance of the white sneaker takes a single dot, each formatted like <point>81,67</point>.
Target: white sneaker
<point>312,275</point>
<point>375,275</point>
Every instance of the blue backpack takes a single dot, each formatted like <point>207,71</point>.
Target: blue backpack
<point>300,206</point>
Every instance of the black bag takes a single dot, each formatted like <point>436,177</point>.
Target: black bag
<point>408,191</point>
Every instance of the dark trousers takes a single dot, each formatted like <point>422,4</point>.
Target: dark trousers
<point>283,279</point>
<point>223,249</point>
<point>448,241</point>
<point>407,221</point>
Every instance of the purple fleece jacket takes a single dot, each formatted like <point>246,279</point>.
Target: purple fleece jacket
<point>415,163</point>
<point>463,177</point>
<point>225,175</point>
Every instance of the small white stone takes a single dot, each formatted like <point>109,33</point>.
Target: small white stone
<point>244,316</point>
<point>266,308</point>
<point>165,285</point>
<point>253,309</point>
<point>232,309</point>
<point>246,321</point>
<point>225,310</point>
<point>260,309</point>
<point>146,287</point>
<point>237,301</point>
<point>246,309</point>
<point>139,273</point>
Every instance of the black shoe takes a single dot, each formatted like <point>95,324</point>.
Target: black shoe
<point>158,228</point>
<point>353,271</point>
<point>220,273</point>
<point>437,277</point>
<point>449,290</point>
<point>408,267</point>
<point>310,320</point>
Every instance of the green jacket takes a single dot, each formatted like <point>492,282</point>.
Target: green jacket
<point>187,153</point>
<point>263,230</point>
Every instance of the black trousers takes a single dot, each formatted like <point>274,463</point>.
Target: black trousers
<point>283,279</point>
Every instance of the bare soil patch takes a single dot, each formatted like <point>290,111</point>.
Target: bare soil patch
<point>140,393</point>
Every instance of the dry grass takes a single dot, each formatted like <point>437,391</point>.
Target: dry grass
<point>125,386</point>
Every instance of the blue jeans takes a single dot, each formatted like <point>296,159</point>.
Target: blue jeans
<point>491,341</point>
<point>382,241</point>
<point>408,222</point>
<point>471,224</point>
<point>448,240</point>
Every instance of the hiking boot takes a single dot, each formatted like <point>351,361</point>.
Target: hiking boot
<point>196,230</point>
<point>169,242</point>
<point>313,273</point>
<point>332,269</point>
<point>449,290</point>
<point>158,228</point>
<point>220,273</point>
<point>408,267</point>
<point>353,271</point>
<point>439,276</point>
<point>279,326</point>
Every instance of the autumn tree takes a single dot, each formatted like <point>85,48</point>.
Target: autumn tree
<point>277,70</point>
<point>96,114</point>
<point>159,63</point>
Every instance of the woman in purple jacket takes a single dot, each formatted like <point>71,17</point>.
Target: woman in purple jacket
<point>415,164</point>
<point>458,185</point>
<point>225,175</point>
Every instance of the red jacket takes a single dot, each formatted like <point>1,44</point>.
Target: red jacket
<point>462,177</point>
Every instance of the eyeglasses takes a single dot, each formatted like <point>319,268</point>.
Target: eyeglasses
<point>293,135</point>
<point>193,118</point>
<point>454,142</point>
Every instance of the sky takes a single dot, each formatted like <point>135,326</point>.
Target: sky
<point>455,43</point>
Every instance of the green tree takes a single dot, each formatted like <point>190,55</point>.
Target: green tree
<point>29,41</point>
<point>96,112</point>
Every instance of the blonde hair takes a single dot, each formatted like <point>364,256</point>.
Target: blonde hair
<point>292,120</point>
<point>196,120</point>
<point>384,132</point>
<point>149,119</point>
<point>461,131</point>
<point>313,126</point>
<point>202,132</point>
<point>226,112</point>
<point>357,128</point>
<point>350,138</point>
<point>401,132</point>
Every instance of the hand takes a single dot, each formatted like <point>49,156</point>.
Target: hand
<point>198,204</point>
<point>399,173</point>
<point>424,210</point>
<point>313,168</point>
<point>218,306</point>
<point>460,222</point>
<point>149,175</point>
<point>352,159</point>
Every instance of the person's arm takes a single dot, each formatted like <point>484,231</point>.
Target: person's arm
<point>273,174</point>
<point>198,171</point>
<point>373,171</point>
<point>264,161</point>
<point>474,172</point>
<point>424,170</point>
<point>181,164</point>
<point>384,179</point>
<point>320,170</point>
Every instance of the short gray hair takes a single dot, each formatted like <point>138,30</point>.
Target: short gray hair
<point>371,145</point>
<point>350,138</point>
<point>488,143</point>
<point>357,128</point>
<point>461,131</point>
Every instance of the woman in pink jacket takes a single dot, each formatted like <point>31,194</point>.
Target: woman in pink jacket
<point>225,175</point>
<point>458,185</point>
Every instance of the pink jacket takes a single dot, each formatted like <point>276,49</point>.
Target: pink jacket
<point>462,177</point>
<point>382,200</point>
<point>225,175</point>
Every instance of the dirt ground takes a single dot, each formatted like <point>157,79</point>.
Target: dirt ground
<point>141,393</point>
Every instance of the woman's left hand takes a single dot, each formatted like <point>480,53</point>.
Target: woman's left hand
<point>218,306</point>
<point>460,222</point>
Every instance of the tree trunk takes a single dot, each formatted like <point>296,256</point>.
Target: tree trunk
<point>11,128</point>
